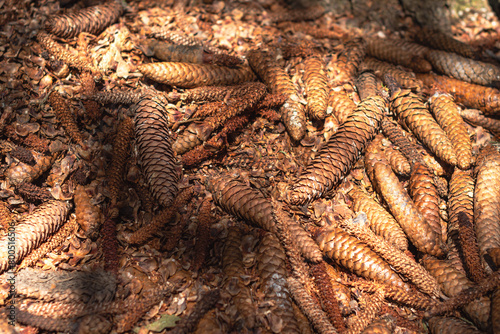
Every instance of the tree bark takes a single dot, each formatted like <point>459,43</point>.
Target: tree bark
<point>433,14</point>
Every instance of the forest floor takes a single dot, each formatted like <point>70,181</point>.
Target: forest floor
<point>40,163</point>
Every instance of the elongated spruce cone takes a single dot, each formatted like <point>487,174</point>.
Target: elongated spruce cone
<point>271,267</point>
<point>232,264</point>
<point>460,201</point>
<point>476,118</point>
<point>55,241</point>
<point>297,14</point>
<point>418,230</point>
<point>342,105</point>
<point>336,158</point>
<point>277,80</point>
<point>397,160</point>
<point>412,47</point>
<point>453,282</point>
<point>451,325</point>
<point>425,196</point>
<point>487,202</point>
<point>495,311</point>
<point>249,204</point>
<point>196,54</point>
<point>388,50</point>
<point>188,75</point>
<point>473,96</point>
<point>92,20</point>
<point>79,61</point>
<point>441,41</point>
<point>121,151</point>
<point>413,112</point>
<point>381,68</point>
<point>32,230</point>
<point>356,256</point>
<point>317,87</point>
<point>381,221</point>
<point>349,60</point>
<point>313,311</point>
<point>154,145</point>
<point>398,137</point>
<point>464,69</point>
<point>115,96</point>
<point>368,84</point>
<point>397,259</point>
<point>448,116</point>
<point>242,201</point>
<point>65,116</point>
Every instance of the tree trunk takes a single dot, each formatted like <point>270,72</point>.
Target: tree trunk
<point>434,14</point>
